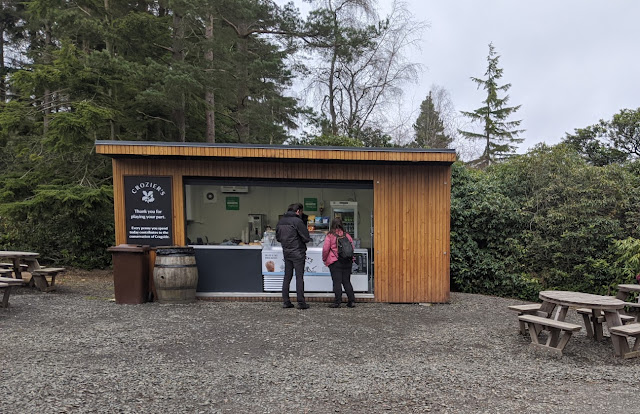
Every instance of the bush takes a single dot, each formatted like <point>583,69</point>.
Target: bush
<point>544,220</point>
<point>69,225</point>
<point>485,252</point>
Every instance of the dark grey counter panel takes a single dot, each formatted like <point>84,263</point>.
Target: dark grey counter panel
<point>229,270</point>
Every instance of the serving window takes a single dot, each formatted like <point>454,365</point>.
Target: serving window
<point>238,211</point>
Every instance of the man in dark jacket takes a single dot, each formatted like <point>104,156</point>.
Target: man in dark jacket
<point>293,235</point>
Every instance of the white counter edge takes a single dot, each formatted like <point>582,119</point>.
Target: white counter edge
<point>272,295</point>
<point>221,247</point>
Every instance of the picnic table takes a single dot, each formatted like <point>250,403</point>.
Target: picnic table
<point>563,300</point>
<point>39,274</point>
<point>17,258</point>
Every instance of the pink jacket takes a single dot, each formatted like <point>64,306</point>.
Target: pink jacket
<point>330,247</point>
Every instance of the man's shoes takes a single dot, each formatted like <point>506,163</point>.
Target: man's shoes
<point>334,305</point>
<point>351,305</point>
<point>303,306</point>
<point>287,305</point>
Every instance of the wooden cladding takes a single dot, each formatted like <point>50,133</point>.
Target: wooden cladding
<point>411,213</point>
<point>138,149</point>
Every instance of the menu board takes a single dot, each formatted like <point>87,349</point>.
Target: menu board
<point>147,203</point>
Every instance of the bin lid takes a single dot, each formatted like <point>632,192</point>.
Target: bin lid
<point>129,248</point>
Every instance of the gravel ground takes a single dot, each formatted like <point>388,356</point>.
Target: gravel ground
<point>75,350</point>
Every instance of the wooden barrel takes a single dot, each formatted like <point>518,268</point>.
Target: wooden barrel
<point>175,274</point>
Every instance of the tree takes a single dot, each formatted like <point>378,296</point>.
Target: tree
<point>591,144</point>
<point>429,127</point>
<point>499,134</point>
<point>360,62</point>
<point>609,142</point>
<point>259,36</point>
<point>624,131</point>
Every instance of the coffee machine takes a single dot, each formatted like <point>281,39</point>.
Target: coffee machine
<point>257,223</point>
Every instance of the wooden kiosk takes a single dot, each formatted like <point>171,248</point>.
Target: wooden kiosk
<point>191,193</point>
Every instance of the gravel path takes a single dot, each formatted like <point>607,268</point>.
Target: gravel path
<point>75,350</point>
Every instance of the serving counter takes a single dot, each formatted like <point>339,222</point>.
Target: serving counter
<point>248,268</point>
<point>228,268</point>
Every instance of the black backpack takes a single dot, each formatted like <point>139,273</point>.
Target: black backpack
<point>345,249</point>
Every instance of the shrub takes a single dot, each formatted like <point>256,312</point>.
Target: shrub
<point>69,225</point>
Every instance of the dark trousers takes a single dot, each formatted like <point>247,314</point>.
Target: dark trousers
<point>289,266</point>
<point>341,276</point>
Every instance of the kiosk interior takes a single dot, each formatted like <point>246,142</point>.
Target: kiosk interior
<point>231,224</point>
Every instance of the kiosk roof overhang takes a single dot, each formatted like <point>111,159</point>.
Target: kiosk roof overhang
<point>195,150</point>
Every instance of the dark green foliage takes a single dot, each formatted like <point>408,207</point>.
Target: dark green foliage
<point>586,141</point>
<point>544,220</point>
<point>429,127</point>
<point>485,252</point>
<point>608,142</point>
<point>68,225</point>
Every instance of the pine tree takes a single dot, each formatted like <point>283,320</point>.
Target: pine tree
<point>429,127</point>
<point>500,135</point>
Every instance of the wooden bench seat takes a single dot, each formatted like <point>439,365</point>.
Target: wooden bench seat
<point>6,284</point>
<point>587,315</point>
<point>23,267</point>
<point>527,309</point>
<point>595,324</point>
<point>12,281</point>
<point>6,272</point>
<point>631,330</point>
<point>555,343</point>
<point>39,277</point>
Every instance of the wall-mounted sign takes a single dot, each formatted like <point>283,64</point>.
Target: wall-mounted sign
<point>147,205</point>
<point>233,203</point>
<point>310,204</point>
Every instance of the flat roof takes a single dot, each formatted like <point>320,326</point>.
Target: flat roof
<point>195,150</point>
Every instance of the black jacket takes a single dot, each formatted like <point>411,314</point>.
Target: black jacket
<point>293,235</point>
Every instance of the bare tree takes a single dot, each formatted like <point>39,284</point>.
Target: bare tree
<point>360,62</point>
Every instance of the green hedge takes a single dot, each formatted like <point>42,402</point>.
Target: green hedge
<point>544,220</point>
<point>68,225</point>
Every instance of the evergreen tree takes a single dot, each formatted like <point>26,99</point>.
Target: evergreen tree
<point>500,135</point>
<point>429,127</point>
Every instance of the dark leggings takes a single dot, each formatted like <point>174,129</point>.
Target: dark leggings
<point>341,276</point>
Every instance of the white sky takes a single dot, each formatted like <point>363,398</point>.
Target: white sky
<point>570,62</point>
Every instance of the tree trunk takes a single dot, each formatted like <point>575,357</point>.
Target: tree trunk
<point>209,95</point>
<point>242,128</point>
<point>109,46</point>
<point>46,99</point>
<point>332,74</point>
<point>107,23</point>
<point>178,112</point>
<point>3,73</point>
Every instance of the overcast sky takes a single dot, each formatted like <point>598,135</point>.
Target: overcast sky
<point>570,62</point>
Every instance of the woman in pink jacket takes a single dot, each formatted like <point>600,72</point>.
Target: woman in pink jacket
<point>340,270</point>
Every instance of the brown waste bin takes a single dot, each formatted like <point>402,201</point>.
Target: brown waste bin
<point>130,273</point>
